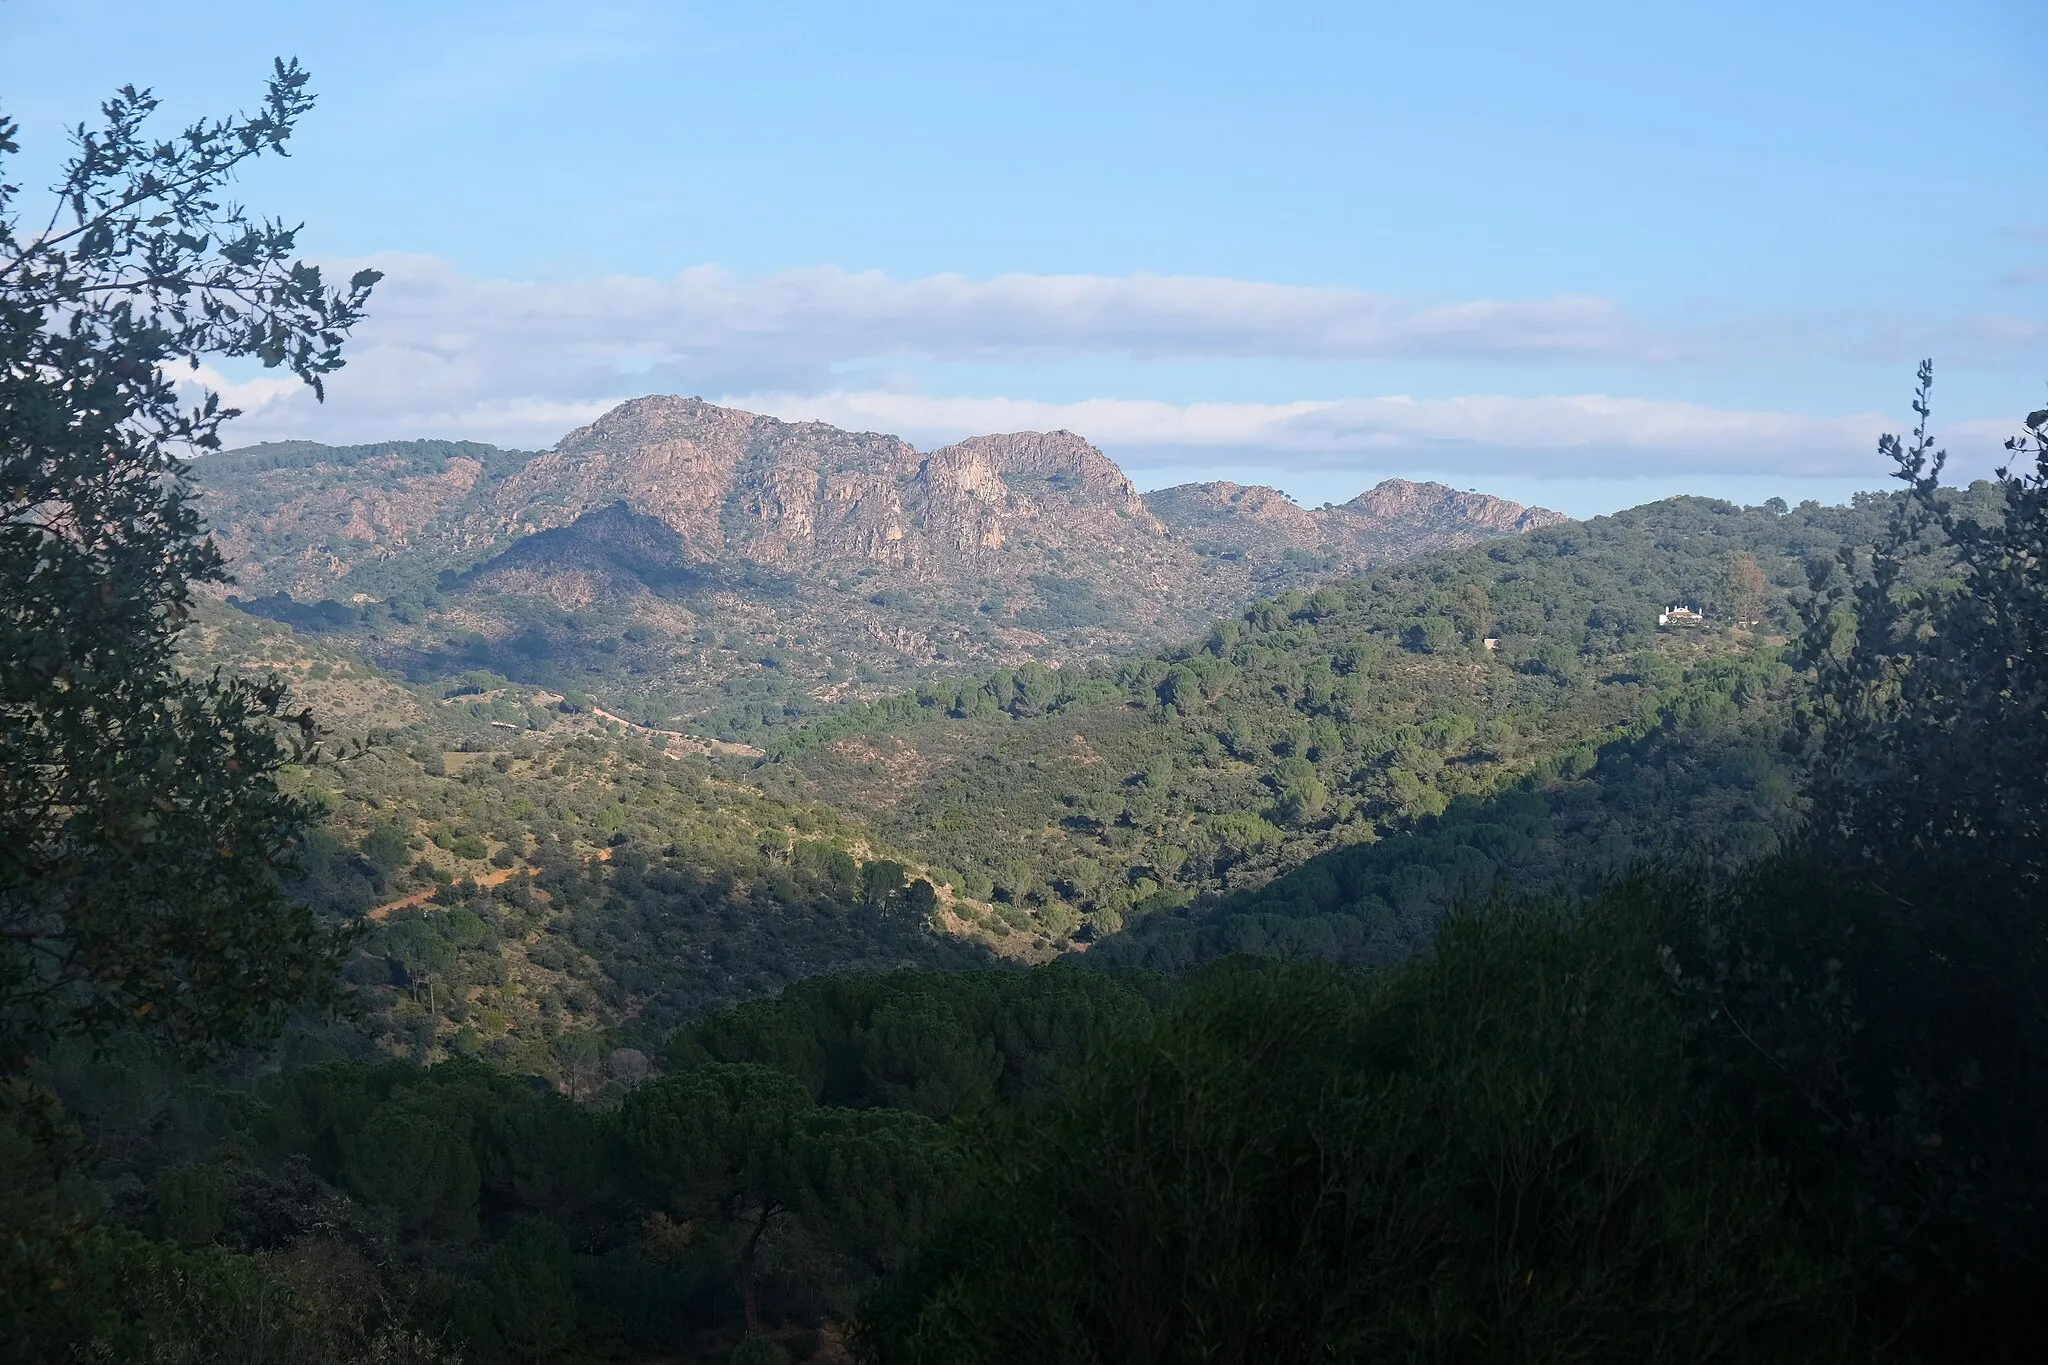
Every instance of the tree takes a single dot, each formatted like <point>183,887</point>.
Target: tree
<point>871,1181</point>
<point>716,1140</point>
<point>533,1285</point>
<point>1431,634</point>
<point>1743,585</point>
<point>1931,715</point>
<point>880,880</point>
<point>1301,791</point>
<point>1491,1153</point>
<point>921,898</point>
<point>580,1055</point>
<point>142,832</point>
<point>385,847</point>
<point>417,1167</point>
<point>1876,1001</point>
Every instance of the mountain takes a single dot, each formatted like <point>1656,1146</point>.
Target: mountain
<point>1391,520</point>
<point>683,558</point>
<point>305,519</point>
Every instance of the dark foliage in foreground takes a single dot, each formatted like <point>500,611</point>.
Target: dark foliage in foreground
<point>1881,1008</point>
<point>1490,1154</point>
<point>1797,1113</point>
<point>141,829</point>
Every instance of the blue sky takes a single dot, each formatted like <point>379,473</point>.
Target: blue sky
<point>1581,254</point>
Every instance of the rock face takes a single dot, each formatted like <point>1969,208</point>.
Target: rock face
<point>681,544</point>
<point>806,495</point>
<point>299,517</point>
<point>1390,520</point>
<point>1435,506</point>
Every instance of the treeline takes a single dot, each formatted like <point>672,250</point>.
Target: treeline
<point>1705,779</point>
<point>229,467</point>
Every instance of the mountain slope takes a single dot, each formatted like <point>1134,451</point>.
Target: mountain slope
<point>303,518</point>
<point>1315,722</point>
<point>1391,520</point>
<point>683,558</point>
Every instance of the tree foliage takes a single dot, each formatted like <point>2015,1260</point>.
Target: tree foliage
<point>141,829</point>
<point>1490,1154</point>
<point>1876,1000</point>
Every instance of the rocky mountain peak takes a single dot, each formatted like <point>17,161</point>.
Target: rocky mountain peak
<point>789,494</point>
<point>1392,518</point>
<point>1197,507</point>
<point>701,540</point>
<point>1435,503</point>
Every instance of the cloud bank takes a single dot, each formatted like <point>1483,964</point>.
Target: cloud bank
<point>518,363</point>
<point>1584,435</point>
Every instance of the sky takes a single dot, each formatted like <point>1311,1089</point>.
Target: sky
<point>1579,254</point>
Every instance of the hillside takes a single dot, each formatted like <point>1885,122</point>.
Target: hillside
<point>1320,722</point>
<point>526,869</point>
<point>683,559</point>
<point>1324,773</point>
<point>560,900</point>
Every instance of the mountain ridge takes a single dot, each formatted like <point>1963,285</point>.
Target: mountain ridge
<point>702,557</point>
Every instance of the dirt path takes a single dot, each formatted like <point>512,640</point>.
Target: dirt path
<point>696,743</point>
<point>495,877</point>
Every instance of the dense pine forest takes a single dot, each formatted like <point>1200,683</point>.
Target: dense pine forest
<point>1475,958</point>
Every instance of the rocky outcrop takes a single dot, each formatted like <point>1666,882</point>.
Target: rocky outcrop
<point>735,484</point>
<point>682,545</point>
<point>1437,505</point>
<point>1232,512</point>
<point>608,554</point>
<point>1389,520</point>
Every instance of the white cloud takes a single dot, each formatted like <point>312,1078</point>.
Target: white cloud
<point>1579,435</point>
<point>444,354</point>
<point>441,348</point>
<point>253,394</point>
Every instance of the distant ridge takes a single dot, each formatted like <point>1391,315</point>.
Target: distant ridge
<point>676,520</point>
<point>1392,519</point>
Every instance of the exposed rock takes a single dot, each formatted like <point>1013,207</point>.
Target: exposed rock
<point>812,543</point>
<point>734,484</point>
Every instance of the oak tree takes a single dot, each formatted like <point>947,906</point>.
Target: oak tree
<point>142,829</point>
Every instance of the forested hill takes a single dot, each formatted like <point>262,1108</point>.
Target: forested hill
<point>1316,722</point>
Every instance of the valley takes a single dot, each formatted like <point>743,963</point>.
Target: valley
<point>1327,771</point>
<point>712,889</point>
<point>905,929</point>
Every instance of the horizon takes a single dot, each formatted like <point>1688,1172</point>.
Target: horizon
<point>1581,260</point>
<point>1144,487</point>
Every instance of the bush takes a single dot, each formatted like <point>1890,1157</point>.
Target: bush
<point>759,1350</point>
<point>191,1203</point>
